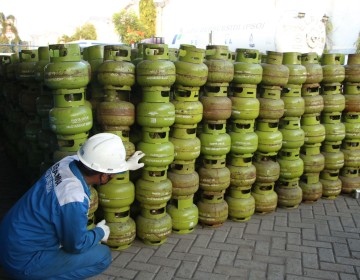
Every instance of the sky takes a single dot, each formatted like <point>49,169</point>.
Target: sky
<point>61,16</point>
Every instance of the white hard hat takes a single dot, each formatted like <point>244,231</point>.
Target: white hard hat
<point>104,152</point>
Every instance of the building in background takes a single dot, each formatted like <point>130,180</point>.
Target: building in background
<point>277,25</point>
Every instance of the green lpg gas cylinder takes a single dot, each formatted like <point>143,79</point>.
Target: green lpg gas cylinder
<point>215,144</point>
<point>220,68</point>
<point>191,71</point>
<point>297,72</point>
<point>122,234</point>
<point>313,159</point>
<point>155,69</point>
<point>269,137</point>
<point>244,108</point>
<point>243,143</point>
<point>289,193</point>
<point>66,69</point>
<point>314,130</point>
<point>350,180</point>
<point>352,69</point>
<point>25,70</point>
<point>241,204</point>
<point>352,103</point>
<point>333,103</point>
<point>294,105</point>
<point>351,153</point>
<point>153,195</point>
<point>71,120</point>
<point>118,113</point>
<point>334,128</point>
<point>331,188</point>
<point>314,104</point>
<point>183,185</point>
<point>186,149</point>
<point>274,72</point>
<point>292,134</point>
<point>214,179</point>
<point>265,197</point>
<point>157,155</point>
<point>216,107</point>
<point>247,68</point>
<point>242,177</point>
<point>291,164</point>
<point>334,157</point>
<point>267,168</point>
<point>313,68</point>
<point>184,215</point>
<point>116,71</point>
<point>333,70</point>
<point>271,109</point>
<point>153,226</point>
<point>212,212</point>
<point>154,114</point>
<point>188,112</point>
<point>44,59</point>
<point>311,187</point>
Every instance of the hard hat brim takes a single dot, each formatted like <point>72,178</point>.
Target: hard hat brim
<point>122,168</point>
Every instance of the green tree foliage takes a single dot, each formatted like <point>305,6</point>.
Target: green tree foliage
<point>357,44</point>
<point>129,27</point>
<point>7,25</point>
<point>329,28</point>
<point>148,17</point>
<point>85,32</point>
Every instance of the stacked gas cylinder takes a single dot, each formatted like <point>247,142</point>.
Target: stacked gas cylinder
<point>214,175</point>
<point>95,92</point>
<point>311,155</point>
<point>349,174</point>
<point>46,138</point>
<point>334,104</point>
<point>191,74</point>
<point>293,137</point>
<point>67,76</point>
<point>13,119</point>
<point>244,141</point>
<point>223,136</point>
<point>155,74</point>
<point>29,91</point>
<point>116,114</point>
<point>275,76</point>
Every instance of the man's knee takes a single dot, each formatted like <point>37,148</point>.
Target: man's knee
<point>104,254</point>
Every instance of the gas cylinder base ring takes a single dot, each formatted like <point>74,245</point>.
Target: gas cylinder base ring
<point>240,220</point>
<point>211,225</point>
<point>120,248</point>
<point>153,242</point>
<point>264,212</point>
<point>182,231</point>
<point>289,207</point>
<point>309,201</point>
<point>330,197</point>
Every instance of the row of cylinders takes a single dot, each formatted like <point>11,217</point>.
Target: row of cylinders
<point>219,92</point>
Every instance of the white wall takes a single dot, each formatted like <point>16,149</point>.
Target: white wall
<point>262,24</point>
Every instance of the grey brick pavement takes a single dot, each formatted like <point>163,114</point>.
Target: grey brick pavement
<point>314,241</point>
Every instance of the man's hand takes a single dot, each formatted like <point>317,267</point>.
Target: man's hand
<point>105,228</point>
<point>133,161</point>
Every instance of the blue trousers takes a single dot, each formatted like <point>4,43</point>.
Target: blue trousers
<point>59,264</point>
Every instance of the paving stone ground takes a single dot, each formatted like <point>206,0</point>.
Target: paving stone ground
<point>320,240</point>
